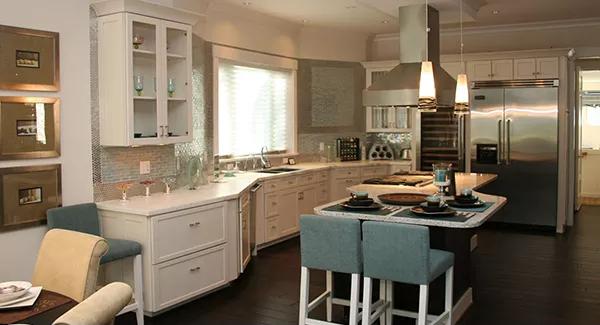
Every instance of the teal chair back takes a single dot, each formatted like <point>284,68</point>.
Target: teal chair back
<point>329,243</point>
<point>80,217</point>
<point>397,252</point>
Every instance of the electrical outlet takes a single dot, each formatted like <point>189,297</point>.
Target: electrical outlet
<point>285,160</point>
<point>144,167</point>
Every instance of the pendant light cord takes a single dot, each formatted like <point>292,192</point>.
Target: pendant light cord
<point>462,44</point>
<point>426,31</point>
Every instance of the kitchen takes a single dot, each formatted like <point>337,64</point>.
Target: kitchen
<point>167,134</point>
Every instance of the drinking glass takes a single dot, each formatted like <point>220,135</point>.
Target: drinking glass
<point>441,177</point>
<point>138,84</point>
<point>171,87</point>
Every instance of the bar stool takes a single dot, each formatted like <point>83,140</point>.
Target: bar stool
<point>84,218</point>
<point>333,245</point>
<point>394,252</point>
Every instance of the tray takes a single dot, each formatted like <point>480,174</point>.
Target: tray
<point>406,199</point>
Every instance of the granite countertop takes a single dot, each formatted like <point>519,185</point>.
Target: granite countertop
<point>463,180</point>
<point>231,188</point>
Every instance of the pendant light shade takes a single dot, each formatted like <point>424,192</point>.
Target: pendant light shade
<point>461,99</point>
<point>427,98</point>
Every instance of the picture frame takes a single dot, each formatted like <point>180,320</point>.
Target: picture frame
<point>29,127</point>
<point>29,59</point>
<point>26,193</point>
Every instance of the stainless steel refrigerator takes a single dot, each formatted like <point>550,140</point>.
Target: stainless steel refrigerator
<point>514,133</point>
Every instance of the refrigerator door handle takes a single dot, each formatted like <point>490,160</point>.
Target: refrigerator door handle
<point>499,152</point>
<point>508,122</point>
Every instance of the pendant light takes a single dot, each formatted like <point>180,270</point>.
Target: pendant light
<point>461,98</point>
<point>427,96</point>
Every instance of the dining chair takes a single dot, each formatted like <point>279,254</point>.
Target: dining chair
<point>395,252</point>
<point>68,263</point>
<point>84,218</point>
<point>100,308</point>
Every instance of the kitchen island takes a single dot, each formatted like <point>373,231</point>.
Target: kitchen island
<point>456,235</point>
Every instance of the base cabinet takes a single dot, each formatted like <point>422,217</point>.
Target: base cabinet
<point>288,214</point>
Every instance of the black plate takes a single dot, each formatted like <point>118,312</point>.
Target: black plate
<point>442,214</point>
<point>466,199</point>
<point>374,206</point>
<point>360,202</point>
<point>433,208</point>
<point>465,205</point>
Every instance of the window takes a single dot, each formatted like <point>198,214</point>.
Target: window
<point>255,109</point>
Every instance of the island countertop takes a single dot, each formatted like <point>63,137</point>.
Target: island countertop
<point>475,219</point>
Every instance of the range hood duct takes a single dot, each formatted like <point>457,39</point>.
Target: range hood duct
<point>400,86</point>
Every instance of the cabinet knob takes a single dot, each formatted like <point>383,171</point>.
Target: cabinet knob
<point>195,224</point>
<point>194,269</point>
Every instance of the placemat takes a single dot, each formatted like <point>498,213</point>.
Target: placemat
<point>406,213</point>
<point>339,208</point>
<point>46,301</point>
<point>486,205</point>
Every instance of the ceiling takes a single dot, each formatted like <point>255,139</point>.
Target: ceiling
<point>380,16</point>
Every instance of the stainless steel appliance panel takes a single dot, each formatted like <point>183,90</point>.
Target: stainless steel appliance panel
<point>487,124</point>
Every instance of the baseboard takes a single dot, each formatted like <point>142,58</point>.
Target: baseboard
<point>462,305</point>
<point>276,241</point>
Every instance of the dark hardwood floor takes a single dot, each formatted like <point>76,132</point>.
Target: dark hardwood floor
<point>522,277</point>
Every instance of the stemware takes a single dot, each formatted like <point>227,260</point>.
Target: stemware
<point>138,84</point>
<point>124,187</point>
<point>147,184</point>
<point>171,87</point>
<point>441,178</point>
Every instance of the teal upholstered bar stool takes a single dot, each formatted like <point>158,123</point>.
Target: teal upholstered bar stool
<point>84,218</point>
<point>333,245</point>
<point>394,252</point>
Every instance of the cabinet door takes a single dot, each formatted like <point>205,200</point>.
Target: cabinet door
<point>176,121</point>
<point>453,68</point>
<point>142,78</point>
<point>547,68</point>
<point>245,236</point>
<point>307,200</point>
<point>525,69</point>
<point>288,213</point>
<point>479,70</point>
<point>502,70</point>
<point>340,185</point>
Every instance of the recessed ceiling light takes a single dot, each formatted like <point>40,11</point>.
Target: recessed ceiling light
<point>305,21</point>
<point>351,7</point>
<point>495,12</point>
<point>385,21</point>
<point>246,3</point>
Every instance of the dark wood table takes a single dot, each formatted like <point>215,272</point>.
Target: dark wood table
<point>47,308</point>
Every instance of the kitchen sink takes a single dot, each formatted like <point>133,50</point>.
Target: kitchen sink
<point>277,170</point>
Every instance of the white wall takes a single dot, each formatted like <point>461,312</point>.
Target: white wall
<point>330,44</point>
<point>70,18</point>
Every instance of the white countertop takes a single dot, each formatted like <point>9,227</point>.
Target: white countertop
<point>231,188</point>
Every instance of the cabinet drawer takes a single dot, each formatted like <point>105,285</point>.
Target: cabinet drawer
<point>323,176</point>
<point>309,178</point>
<point>187,231</point>
<point>271,204</point>
<point>189,276</point>
<point>346,173</point>
<point>272,230</point>
<point>374,171</point>
<point>280,184</point>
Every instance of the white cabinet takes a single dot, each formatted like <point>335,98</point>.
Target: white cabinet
<point>389,119</point>
<point>288,214</point>
<point>490,70</point>
<point>536,68</point>
<point>245,253</point>
<point>144,80</point>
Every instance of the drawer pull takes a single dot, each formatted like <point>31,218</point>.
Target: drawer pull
<point>290,182</point>
<point>194,269</point>
<point>195,224</point>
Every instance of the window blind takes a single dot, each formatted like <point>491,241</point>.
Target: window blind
<point>254,109</point>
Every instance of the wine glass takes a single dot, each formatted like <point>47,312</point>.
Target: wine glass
<point>171,87</point>
<point>138,84</point>
<point>441,178</point>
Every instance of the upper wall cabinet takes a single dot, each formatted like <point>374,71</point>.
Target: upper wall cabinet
<point>145,72</point>
<point>490,70</point>
<point>536,68</point>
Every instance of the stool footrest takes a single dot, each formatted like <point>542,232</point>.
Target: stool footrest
<point>313,304</point>
<point>411,314</point>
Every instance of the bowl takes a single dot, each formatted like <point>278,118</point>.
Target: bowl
<point>13,290</point>
<point>360,202</point>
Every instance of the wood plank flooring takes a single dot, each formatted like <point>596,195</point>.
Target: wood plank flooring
<point>522,277</point>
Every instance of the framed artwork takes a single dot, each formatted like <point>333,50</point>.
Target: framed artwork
<point>29,59</point>
<point>29,127</point>
<point>26,193</point>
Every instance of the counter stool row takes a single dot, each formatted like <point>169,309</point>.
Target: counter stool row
<point>389,252</point>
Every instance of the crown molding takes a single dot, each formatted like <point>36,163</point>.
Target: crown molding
<point>147,9</point>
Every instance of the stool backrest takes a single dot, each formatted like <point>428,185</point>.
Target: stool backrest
<point>397,252</point>
<point>79,217</point>
<point>330,243</point>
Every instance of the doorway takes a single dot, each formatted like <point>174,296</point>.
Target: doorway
<point>588,133</point>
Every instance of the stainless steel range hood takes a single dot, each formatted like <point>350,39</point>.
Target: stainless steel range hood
<point>400,86</point>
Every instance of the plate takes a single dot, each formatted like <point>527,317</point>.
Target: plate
<point>422,213</point>
<point>433,208</point>
<point>465,205</point>
<point>466,199</point>
<point>26,300</point>
<point>6,297</point>
<point>406,199</point>
<point>374,206</point>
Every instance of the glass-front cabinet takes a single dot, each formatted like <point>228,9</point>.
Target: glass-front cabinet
<point>144,70</point>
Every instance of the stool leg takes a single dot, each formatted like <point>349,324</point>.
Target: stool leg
<point>329,302</point>
<point>382,296</point>
<point>366,310</point>
<point>389,296</point>
<point>138,290</point>
<point>449,293</point>
<point>304,283</point>
<point>423,301</point>
<point>354,293</point>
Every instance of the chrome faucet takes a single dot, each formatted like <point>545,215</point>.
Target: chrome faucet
<point>264,159</point>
